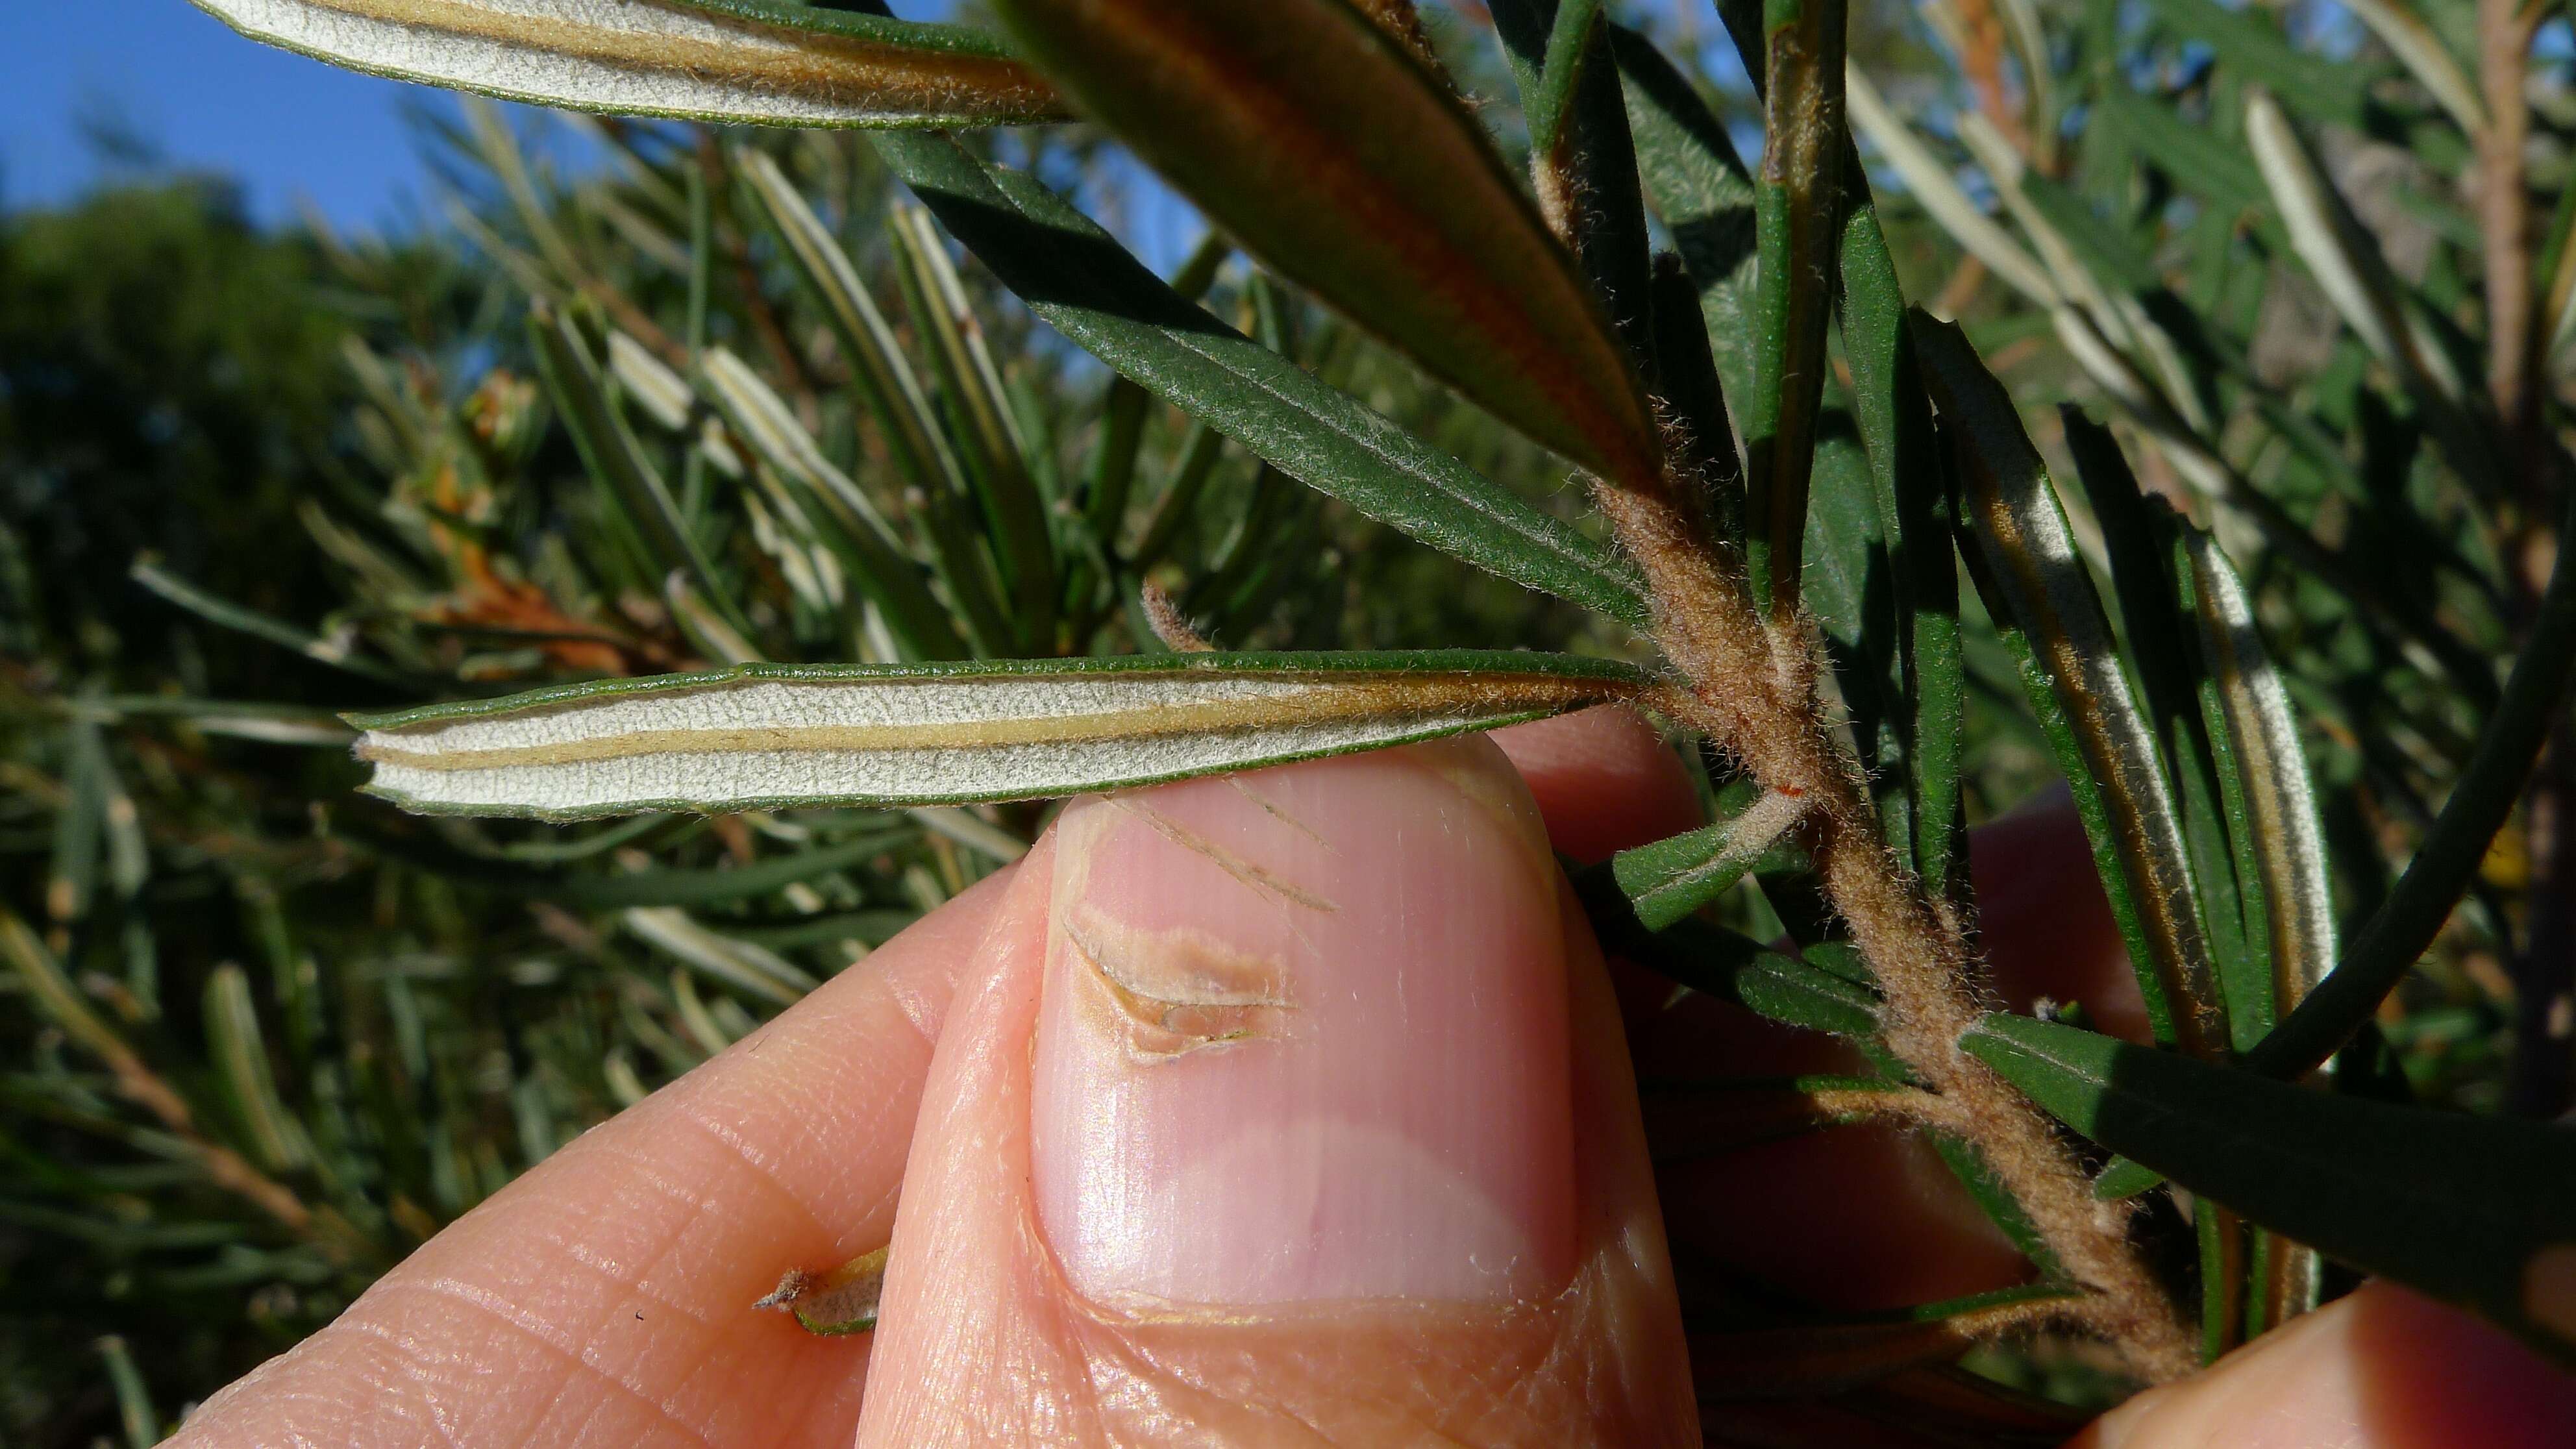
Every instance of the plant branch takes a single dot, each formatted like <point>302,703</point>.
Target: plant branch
<point>1753,689</point>
<point>2505,29</point>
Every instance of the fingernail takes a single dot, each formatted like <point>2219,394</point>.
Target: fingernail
<point>1303,1038</point>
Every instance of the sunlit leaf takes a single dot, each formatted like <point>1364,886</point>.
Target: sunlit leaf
<point>1080,280</point>
<point>2282,824</point>
<point>1322,143</point>
<point>709,60</point>
<point>2045,601</point>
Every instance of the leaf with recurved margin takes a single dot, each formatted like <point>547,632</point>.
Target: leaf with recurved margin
<point>843,1300</point>
<point>2474,1210</point>
<point>755,61</point>
<point>763,735</point>
<point>2287,835</point>
<point>2047,606</point>
<point>1322,143</point>
<point>1674,877</point>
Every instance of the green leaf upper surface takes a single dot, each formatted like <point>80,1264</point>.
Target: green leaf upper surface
<point>1894,418</point>
<point>1072,274</point>
<point>1797,199</point>
<point>755,61</point>
<point>1792,990</point>
<point>1321,142</point>
<point>1699,186</point>
<point>2479,1211</point>
<point>1674,877</point>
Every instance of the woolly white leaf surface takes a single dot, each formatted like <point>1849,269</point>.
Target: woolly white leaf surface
<point>776,735</point>
<point>714,60</point>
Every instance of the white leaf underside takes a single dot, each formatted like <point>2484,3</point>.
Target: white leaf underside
<point>770,737</point>
<point>653,58</point>
<point>2283,801</point>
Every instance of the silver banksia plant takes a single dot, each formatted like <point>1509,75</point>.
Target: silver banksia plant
<point>1790,472</point>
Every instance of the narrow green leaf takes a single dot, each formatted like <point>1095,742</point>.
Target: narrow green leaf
<point>1177,504</point>
<point>336,650</point>
<point>649,383</point>
<point>1283,122</point>
<point>2254,47</point>
<point>753,970</point>
<point>598,891</point>
<point>2479,1211</point>
<point>2140,535</point>
<point>2342,254</point>
<point>1848,581</point>
<point>1694,395</point>
<point>1894,417</point>
<point>1699,186</point>
<point>1081,282</point>
<point>2192,156</point>
<point>1549,70</point>
<point>1582,157</point>
<point>878,369</point>
<point>2044,601</point>
<point>1732,967</point>
<point>1674,877</point>
<point>80,826</point>
<point>42,978</point>
<point>1797,201</point>
<point>759,736</point>
<point>1930,183</point>
<point>133,1399</point>
<point>240,1054</point>
<point>850,521</point>
<point>755,61</point>
<point>618,461</point>
<point>997,457</point>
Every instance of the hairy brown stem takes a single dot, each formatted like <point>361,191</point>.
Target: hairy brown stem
<point>1754,690</point>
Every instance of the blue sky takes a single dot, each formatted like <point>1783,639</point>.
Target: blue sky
<point>208,99</point>
<point>285,126</point>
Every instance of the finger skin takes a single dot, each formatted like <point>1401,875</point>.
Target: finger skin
<point>518,1326</point>
<point>2381,1368</point>
<point>603,1297</point>
<point>983,1340</point>
<point>2044,924</point>
<point>1603,780</point>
